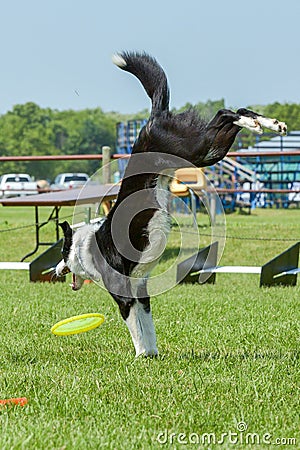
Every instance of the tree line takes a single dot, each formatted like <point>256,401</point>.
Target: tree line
<point>31,130</point>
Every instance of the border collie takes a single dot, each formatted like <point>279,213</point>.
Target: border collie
<point>123,248</point>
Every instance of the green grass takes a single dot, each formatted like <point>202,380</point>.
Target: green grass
<point>229,353</point>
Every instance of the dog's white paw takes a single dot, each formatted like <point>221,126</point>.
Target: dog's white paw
<point>249,123</point>
<point>153,353</point>
<point>141,327</point>
<point>273,124</point>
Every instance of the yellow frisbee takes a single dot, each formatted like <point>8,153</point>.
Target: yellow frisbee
<point>77,324</point>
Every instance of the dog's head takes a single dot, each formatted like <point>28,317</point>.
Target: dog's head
<point>70,261</point>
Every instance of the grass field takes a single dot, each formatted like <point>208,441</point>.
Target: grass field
<point>227,375</point>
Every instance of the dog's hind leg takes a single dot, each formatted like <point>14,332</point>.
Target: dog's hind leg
<point>223,128</point>
<point>262,121</point>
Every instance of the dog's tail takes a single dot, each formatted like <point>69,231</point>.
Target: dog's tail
<point>150,74</point>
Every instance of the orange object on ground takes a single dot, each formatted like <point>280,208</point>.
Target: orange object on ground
<point>21,401</point>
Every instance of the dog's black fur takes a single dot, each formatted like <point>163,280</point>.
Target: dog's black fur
<point>167,136</point>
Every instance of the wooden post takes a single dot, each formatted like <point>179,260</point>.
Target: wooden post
<point>213,207</point>
<point>88,214</point>
<point>106,164</point>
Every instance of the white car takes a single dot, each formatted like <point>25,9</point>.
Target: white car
<point>69,180</point>
<point>14,184</point>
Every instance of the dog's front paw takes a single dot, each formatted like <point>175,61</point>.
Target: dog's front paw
<point>148,353</point>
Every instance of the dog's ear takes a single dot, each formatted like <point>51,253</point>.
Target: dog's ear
<point>68,234</point>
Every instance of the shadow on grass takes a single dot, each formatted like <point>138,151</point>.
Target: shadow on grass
<point>239,356</point>
<point>173,252</point>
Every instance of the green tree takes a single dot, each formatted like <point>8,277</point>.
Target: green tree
<point>30,130</point>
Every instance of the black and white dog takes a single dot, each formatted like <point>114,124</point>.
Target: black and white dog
<point>123,248</point>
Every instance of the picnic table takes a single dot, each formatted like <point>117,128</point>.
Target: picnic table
<point>91,194</point>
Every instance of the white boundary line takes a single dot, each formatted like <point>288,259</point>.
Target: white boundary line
<point>243,269</point>
<point>230,269</point>
<point>14,266</point>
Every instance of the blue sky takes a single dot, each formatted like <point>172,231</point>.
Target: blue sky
<point>58,53</point>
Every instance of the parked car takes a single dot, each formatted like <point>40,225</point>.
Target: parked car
<point>69,180</point>
<point>14,184</point>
